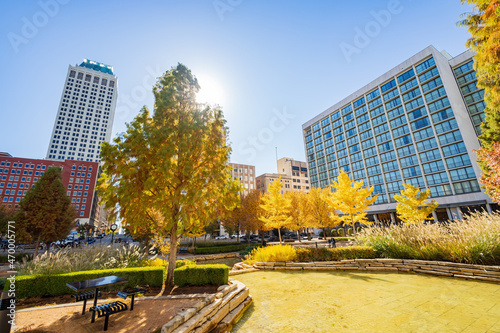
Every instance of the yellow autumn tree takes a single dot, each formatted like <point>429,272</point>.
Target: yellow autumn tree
<point>352,199</point>
<point>298,210</point>
<point>246,217</point>
<point>321,212</point>
<point>276,208</point>
<point>484,27</point>
<point>412,207</point>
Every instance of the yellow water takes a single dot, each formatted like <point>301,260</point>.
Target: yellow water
<point>367,302</point>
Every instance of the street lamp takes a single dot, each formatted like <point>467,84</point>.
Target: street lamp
<point>113,227</point>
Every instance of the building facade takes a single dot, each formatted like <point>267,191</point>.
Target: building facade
<point>86,112</point>
<point>416,124</point>
<point>297,170</point>
<point>18,175</point>
<point>263,181</point>
<point>245,174</point>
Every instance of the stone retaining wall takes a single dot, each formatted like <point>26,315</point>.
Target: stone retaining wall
<point>215,313</point>
<point>440,268</point>
<point>203,257</point>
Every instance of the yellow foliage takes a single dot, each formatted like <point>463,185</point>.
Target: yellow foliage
<point>298,210</point>
<point>352,199</point>
<point>321,211</point>
<point>276,208</point>
<point>411,207</point>
<point>157,262</point>
<point>272,254</point>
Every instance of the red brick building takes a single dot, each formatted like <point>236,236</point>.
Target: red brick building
<point>17,175</point>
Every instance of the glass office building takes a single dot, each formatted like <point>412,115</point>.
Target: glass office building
<point>416,124</point>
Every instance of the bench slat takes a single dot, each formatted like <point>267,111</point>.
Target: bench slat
<point>104,310</point>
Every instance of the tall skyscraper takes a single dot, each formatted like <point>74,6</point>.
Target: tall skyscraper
<point>416,124</point>
<point>85,115</point>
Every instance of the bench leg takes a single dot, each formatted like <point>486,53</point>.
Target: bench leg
<point>95,296</point>
<point>106,322</point>
<point>132,303</point>
<point>84,305</point>
<point>93,317</point>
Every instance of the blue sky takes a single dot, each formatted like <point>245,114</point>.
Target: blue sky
<point>272,65</point>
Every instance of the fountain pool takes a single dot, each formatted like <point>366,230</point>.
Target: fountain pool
<point>353,301</point>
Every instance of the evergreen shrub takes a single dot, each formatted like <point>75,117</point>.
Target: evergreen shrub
<point>192,275</point>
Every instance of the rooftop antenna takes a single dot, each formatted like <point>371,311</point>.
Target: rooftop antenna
<point>277,159</point>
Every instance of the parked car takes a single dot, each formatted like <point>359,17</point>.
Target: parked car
<point>236,235</point>
<point>4,244</point>
<point>221,237</point>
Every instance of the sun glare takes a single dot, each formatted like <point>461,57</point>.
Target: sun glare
<point>211,92</point>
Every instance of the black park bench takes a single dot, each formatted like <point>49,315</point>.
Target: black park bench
<point>131,292</point>
<point>84,296</point>
<point>105,310</point>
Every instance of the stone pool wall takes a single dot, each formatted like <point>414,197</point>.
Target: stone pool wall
<point>215,313</point>
<point>203,257</point>
<point>440,268</point>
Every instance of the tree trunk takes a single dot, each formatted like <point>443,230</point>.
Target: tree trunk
<point>172,256</point>
<point>353,227</point>
<point>279,234</point>
<point>298,232</point>
<point>37,244</point>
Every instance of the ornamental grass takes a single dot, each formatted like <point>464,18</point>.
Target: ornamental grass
<point>473,240</point>
<point>88,258</point>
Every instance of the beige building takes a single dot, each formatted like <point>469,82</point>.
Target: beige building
<point>245,174</point>
<point>264,180</point>
<point>297,170</point>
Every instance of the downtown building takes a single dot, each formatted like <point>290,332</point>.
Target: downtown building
<point>293,176</point>
<point>18,175</point>
<point>245,174</point>
<point>417,124</point>
<point>85,116</point>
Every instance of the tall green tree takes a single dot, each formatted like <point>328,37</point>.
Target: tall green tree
<point>45,213</point>
<point>412,207</point>
<point>352,199</point>
<point>170,167</point>
<point>484,27</point>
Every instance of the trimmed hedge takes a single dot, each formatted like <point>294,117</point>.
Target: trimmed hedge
<point>335,254</point>
<point>4,258</point>
<point>202,244</point>
<point>192,275</point>
<point>55,284</point>
<point>223,249</point>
